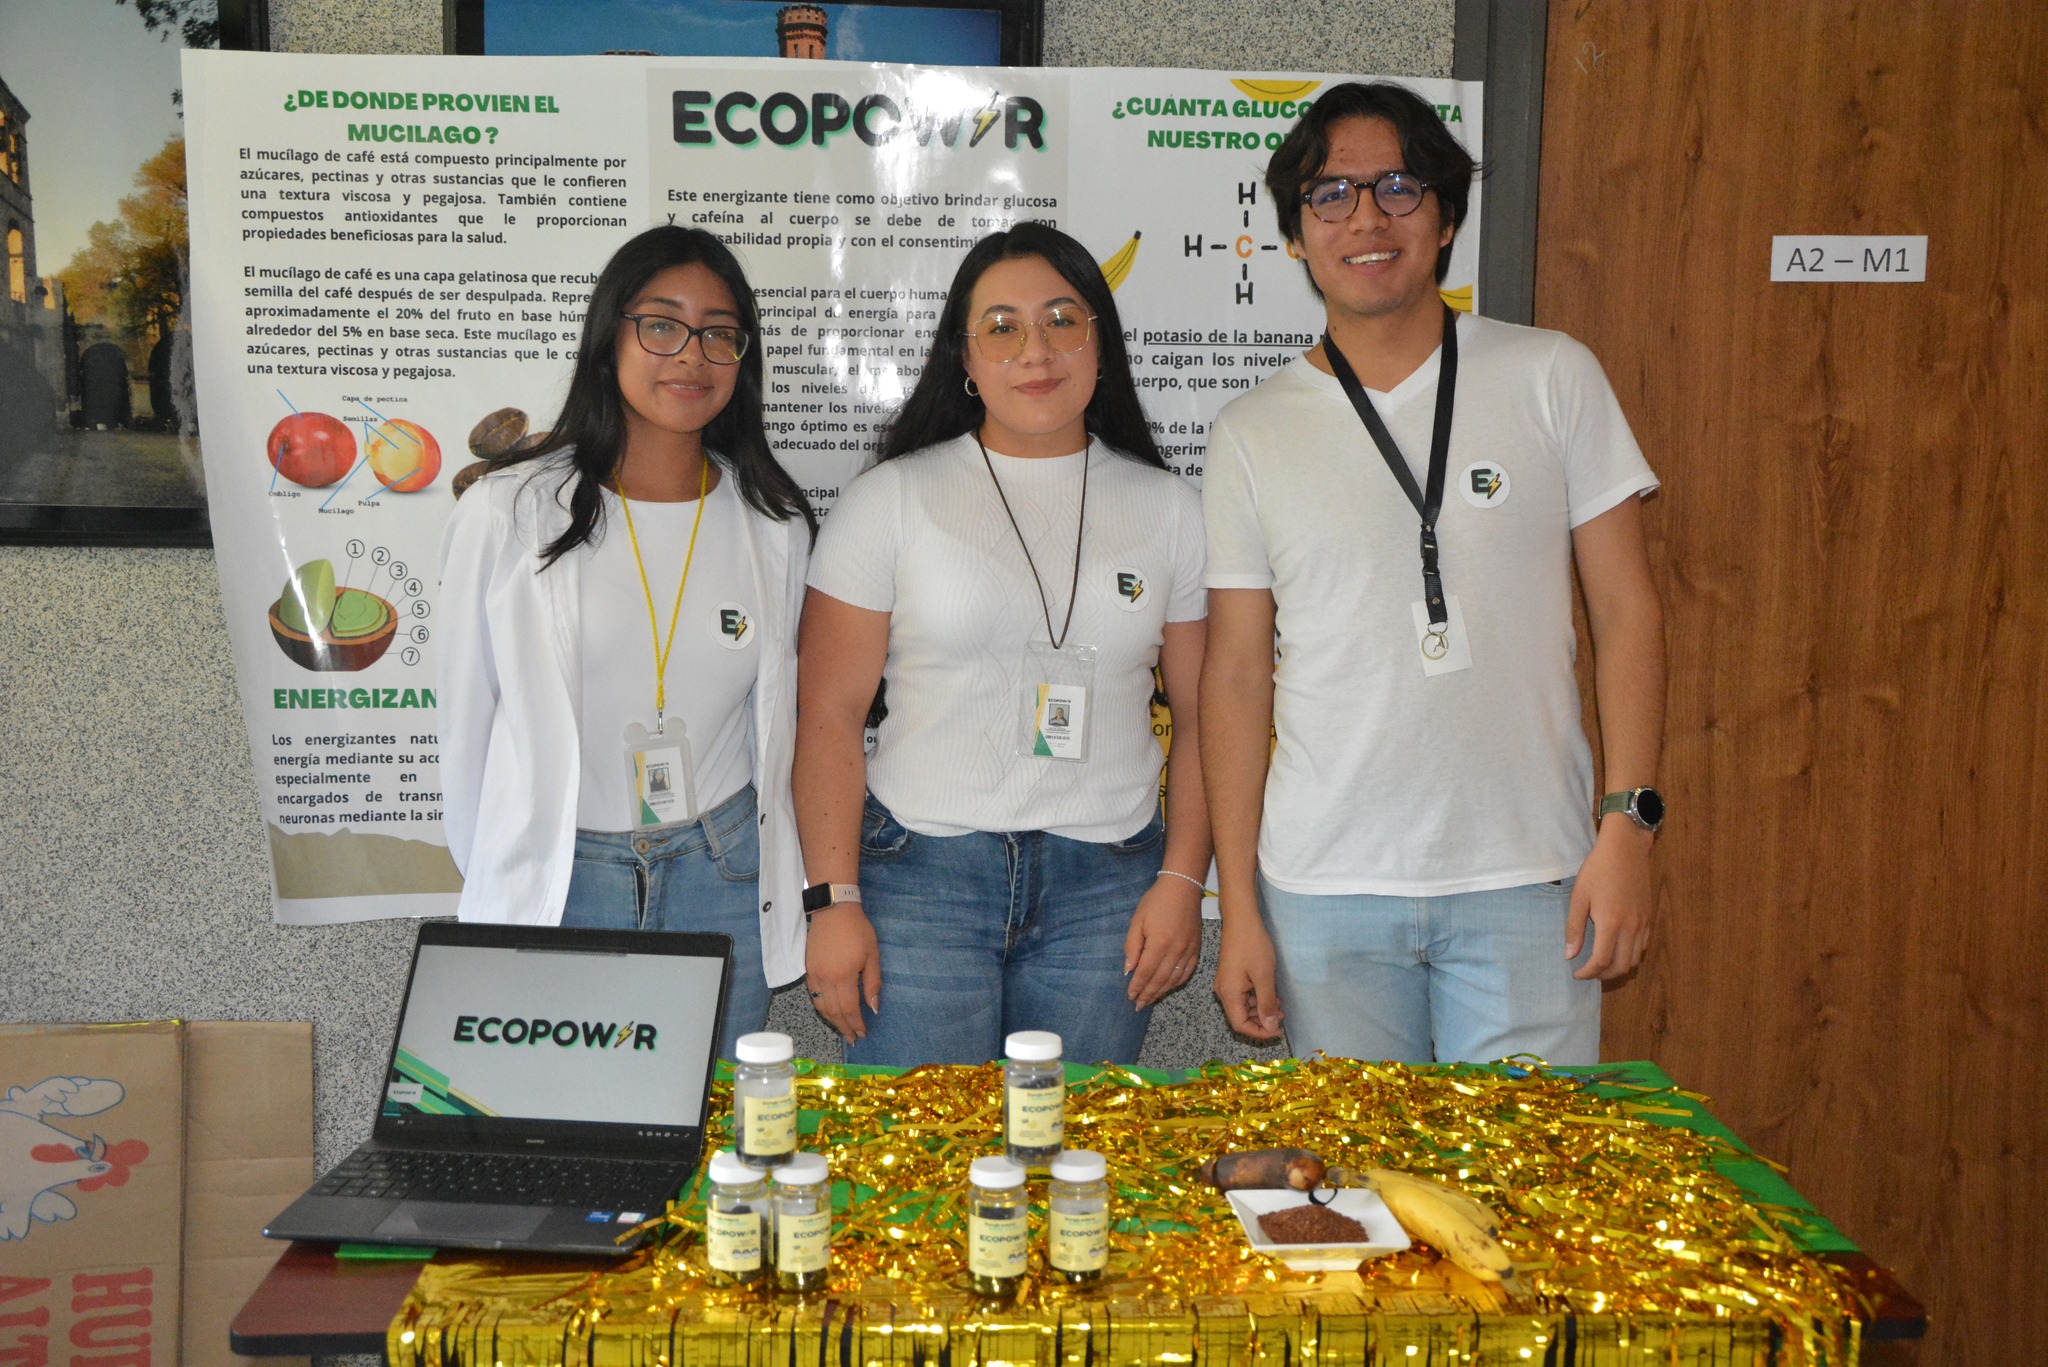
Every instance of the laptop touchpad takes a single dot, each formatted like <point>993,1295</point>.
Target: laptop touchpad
<point>451,1222</point>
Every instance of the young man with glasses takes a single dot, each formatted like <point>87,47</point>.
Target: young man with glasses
<point>1393,524</point>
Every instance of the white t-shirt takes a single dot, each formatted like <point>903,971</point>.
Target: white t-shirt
<point>711,667</point>
<point>1385,781</point>
<point>924,538</point>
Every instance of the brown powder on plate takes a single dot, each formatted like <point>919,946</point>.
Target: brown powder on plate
<point>1311,1225</point>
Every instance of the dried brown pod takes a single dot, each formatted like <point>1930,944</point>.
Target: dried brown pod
<point>1264,1169</point>
<point>529,441</point>
<point>497,433</point>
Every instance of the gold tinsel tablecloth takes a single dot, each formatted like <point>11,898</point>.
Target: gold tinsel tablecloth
<point>1635,1246</point>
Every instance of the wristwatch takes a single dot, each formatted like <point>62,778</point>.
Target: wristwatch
<point>819,896</point>
<point>1645,806</point>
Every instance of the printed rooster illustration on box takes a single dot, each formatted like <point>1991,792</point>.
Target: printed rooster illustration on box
<point>37,1158</point>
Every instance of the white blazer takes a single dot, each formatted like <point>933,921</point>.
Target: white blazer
<point>511,706</point>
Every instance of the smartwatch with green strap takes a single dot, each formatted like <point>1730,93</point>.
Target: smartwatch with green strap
<point>1645,806</point>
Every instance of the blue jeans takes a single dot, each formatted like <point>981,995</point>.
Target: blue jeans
<point>701,875</point>
<point>1474,976</point>
<point>991,932</point>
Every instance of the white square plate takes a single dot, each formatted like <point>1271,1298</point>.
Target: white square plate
<point>1383,1233</point>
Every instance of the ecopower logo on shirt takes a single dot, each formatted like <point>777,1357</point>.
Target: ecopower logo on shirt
<point>566,1034</point>
<point>735,628</point>
<point>1130,587</point>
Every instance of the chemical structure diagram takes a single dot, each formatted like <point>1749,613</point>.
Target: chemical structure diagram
<point>1241,245</point>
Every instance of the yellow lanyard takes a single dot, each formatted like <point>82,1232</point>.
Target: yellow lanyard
<point>661,651</point>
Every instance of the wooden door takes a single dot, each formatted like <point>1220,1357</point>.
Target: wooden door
<point>1852,541</point>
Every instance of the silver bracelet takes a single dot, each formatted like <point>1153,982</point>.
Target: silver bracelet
<point>1169,873</point>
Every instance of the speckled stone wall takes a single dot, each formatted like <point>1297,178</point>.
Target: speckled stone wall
<point>1383,37</point>
<point>133,881</point>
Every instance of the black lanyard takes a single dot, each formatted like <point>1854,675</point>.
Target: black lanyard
<point>1073,589</point>
<point>1431,503</point>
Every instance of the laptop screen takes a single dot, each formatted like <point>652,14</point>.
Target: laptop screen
<point>560,1028</point>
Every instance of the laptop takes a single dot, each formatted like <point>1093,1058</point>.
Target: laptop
<point>547,1090</point>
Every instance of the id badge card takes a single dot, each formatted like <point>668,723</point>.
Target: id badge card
<point>1442,649</point>
<point>663,778</point>
<point>1055,696</point>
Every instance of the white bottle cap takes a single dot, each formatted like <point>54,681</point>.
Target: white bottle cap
<point>802,1170</point>
<point>1079,1165</point>
<point>997,1173</point>
<point>765,1046</point>
<point>727,1170</point>
<point>1032,1046</point>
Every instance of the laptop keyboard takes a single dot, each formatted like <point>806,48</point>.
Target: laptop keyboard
<point>505,1179</point>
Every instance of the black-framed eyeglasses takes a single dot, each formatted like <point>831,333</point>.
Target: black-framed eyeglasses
<point>1002,336</point>
<point>1397,193</point>
<point>662,335</point>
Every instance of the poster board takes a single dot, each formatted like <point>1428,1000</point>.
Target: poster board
<point>389,249</point>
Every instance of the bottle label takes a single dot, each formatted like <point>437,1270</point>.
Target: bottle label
<point>803,1243</point>
<point>996,1245</point>
<point>1080,1240</point>
<point>732,1240</point>
<point>1036,1117</point>
<point>768,1123</point>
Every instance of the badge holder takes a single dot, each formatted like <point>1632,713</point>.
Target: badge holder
<point>1445,647</point>
<point>663,777</point>
<point>1054,692</point>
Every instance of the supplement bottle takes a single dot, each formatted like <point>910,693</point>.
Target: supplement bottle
<point>1078,1204</point>
<point>998,1233</point>
<point>734,1227</point>
<point>764,1099</point>
<point>1034,1097</point>
<point>803,1223</point>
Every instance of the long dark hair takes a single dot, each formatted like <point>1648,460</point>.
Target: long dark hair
<point>940,408</point>
<point>592,427</point>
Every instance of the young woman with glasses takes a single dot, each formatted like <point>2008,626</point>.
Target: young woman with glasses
<point>1013,569</point>
<point>617,627</point>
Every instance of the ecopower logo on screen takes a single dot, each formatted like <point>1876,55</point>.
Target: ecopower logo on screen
<point>565,1034</point>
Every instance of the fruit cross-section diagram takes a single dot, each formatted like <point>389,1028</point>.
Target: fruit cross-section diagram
<point>314,450</point>
<point>325,623</point>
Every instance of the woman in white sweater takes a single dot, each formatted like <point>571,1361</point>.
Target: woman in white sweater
<point>1012,568</point>
<point>620,605</point>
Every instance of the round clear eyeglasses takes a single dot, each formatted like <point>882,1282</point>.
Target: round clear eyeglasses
<point>1397,194</point>
<point>1002,336</point>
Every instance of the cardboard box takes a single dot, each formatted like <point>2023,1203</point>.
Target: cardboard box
<point>137,1164</point>
<point>248,1155</point>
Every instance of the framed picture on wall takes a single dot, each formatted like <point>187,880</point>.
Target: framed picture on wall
<point>929,32</point>
<point>99,442</point>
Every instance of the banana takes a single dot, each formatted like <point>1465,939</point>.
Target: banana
<point>1475,1210</point>
<point>1118,266</point>
<point>1459,298</point>
<point>1445,1220</point>
<point>1275,90</point>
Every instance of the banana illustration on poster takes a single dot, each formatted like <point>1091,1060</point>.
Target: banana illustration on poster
<point>391,259</point>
